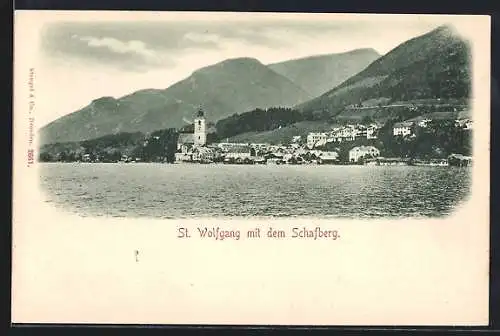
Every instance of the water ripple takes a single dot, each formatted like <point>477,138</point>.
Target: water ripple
<point>183,191</point>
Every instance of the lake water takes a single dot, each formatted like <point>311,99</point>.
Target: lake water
<point>193,190</point>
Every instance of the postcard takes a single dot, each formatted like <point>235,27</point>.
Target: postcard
<point>250,168</point>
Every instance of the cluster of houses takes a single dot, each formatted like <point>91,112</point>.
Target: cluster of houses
<point>343,133</point>
<point>354,132</point>
<point>407,127</point>
<point>193,147</point>
<point>254,153</point>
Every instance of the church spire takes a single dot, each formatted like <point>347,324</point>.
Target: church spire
<point>200,113</point>
<point>200,128</point>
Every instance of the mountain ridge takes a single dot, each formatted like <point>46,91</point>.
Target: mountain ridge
<point>326,55</point>
<point>319,73</point>
<point>432,65</point>
<point>214,87</point>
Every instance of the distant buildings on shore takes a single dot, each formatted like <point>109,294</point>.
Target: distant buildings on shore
<point>343,133</point>
<point>336,146</point>
<point>363,152</point>
<point>407,127</point>
<point>193,146</point>
<point>402,128</point>
<point>370,131</point>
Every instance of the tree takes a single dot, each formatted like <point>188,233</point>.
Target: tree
<point>45,157</point>
<point>367,120</point>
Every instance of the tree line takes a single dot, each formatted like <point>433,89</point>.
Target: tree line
<point>257,120</point>
<point>158,146</point>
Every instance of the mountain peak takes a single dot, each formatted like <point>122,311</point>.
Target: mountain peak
<point>104,99</point>
<point>231,86</point>
<point>444,28</point>
<point>241,60</point>
<point>319,73</point>
<point>445,31</point>
<point>430,66</point>
<point>231,62</point>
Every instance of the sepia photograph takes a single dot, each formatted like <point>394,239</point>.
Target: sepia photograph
<point>250,168</point>
<point>221,118</point>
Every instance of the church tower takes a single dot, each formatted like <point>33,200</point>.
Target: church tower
<point>200,129</point>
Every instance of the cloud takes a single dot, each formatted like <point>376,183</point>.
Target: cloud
<point>202,38</point>
<point>133,47</point>
<point>140,46</point>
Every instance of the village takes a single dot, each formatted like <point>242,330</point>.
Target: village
<point>193,147</point>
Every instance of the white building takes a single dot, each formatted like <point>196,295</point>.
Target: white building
<point>348,133</point>
<point>316,139</point>
<point>259,145</point>
<point>464,123</point>
<point>360,131</point>
<point>226,145</point>
<point>424,122</point>
<point>239,152</point>
<point>345,133</point>
<point>315,153</point>
<point>328,157</point>
<point>421,121</point>
<point>183,157</point>
<point>185,142</point>
<point>402,128</point>
<point>362,152</point>
<point>372,131</point>
<point>200,129</point>
<point>86,157</point>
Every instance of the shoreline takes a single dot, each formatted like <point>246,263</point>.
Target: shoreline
<point>268,165</point>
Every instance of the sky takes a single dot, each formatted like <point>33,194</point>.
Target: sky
<point>82,57</point>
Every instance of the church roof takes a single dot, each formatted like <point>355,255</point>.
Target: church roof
<point>203,150</point>
<point>186,138</point>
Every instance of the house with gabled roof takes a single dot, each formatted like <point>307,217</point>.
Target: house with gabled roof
<point>403,128</point>
<point>359,152</point>
<point>316,139</point>
<point>239,152</point>
<point>185,142</point>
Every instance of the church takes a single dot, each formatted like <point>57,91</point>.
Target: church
<point>187,143</point>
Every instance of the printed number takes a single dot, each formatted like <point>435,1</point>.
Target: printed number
<point>31,155</point>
